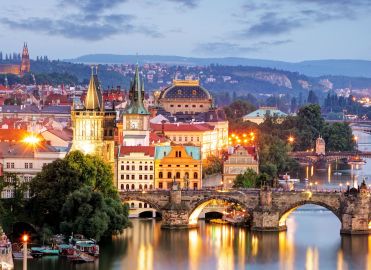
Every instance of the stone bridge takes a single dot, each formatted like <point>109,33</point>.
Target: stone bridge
<point>267,209</point>
<point>312,157</point>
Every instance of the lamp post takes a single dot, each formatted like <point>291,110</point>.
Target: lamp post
<point>340,185</point>
<point>291,139</point>
<point>25,240</point>
<point>316,183</point>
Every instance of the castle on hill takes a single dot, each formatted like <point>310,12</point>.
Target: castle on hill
<point>18,65</point>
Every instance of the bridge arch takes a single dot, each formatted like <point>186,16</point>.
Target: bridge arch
<point>288,210</point>
<point>145,202</point>
<point>198,206</point>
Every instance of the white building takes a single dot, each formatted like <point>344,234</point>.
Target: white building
<point>25,161</point>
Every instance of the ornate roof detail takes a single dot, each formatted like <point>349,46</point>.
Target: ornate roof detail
<point>93,99</point>
<point>136,95</point>
<point>186,89</point>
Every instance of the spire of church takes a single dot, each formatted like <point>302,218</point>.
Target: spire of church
<point>136,95</point>
<point>93,99</point>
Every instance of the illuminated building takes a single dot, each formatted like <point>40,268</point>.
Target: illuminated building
<point>178,163</point>
<point>320,146</point>
<point>18,68</point>
<point>135,119</point>
<point>93,125</point>
<point>208,137</point>
<point>239,160</point>
<point>259,115</point>
<point>136,168</point>
<point>186,97</point>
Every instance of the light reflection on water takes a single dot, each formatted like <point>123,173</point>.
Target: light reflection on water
<point>312,241</point>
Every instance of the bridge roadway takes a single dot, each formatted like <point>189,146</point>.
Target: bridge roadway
<point>267,209</point>
<point>312,157</point>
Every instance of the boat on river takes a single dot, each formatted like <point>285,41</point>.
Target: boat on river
<point>356,160</point>
<point>43,251</point>
<point>88,246</point>
<point>6,259</point>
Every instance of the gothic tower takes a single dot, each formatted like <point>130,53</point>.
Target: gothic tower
<point>93,125</point>
<point>135,123</point>
<point>25,63</point>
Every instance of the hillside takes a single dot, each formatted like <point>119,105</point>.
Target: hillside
<point>315,68</point>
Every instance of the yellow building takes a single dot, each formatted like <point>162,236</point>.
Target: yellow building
<point>237,162</point>
<point>178,163</point>
<point>211,139</point>
<point>185,96</point>
<point>93,126</point>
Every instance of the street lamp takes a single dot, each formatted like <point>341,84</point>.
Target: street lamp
<point>340,185</point>
<point>310,186</point>
<point>291,139</point>
<point>25,239</point>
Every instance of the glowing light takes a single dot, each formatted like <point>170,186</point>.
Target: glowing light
<point>87,148</point>
<point>233,135</point>
<point>25,238</point>
<point>291,139</point>
<point>244,135</point>
<point>32,139</point>
<point>252,134</point>
<point>356,138</point>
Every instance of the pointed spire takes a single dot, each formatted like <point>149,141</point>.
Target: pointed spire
<point>93,99</point>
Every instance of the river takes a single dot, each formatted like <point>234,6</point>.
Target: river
<point>312,240</point>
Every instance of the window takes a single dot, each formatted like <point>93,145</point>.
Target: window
<point>140,167</point>
<point>140,187</point>
<point>195,166</point>
<point>122,186</point>
<point>30,165</point>
<point>195,185</point>
<point>178,165</point>
<point>187,165</point>
<point>145,205</point>
<point>195,175</point>
<point>122,176</point>
<point>174,138</point>
<point>127,186</point>
<point>160,185</point>
<point>127,167</point>
<point>172,106</point>
<point>169,185</point>
<point>201,106</point>
<point>132,177</point>
<point>146,168</point>
<point>180,139</point>
<point>179,92</point>
<point>127,177</point>
<point>12,165</point>
<point>133,167</point>
<point>132,186</point>
<point>122,167</point>
<point>186,106</point>
<point>179,106</point>
<point>26,165</point>
<point>169,175</point>
<point>178,153</point>
<point>151,168</point>
<point>151,177</point>
<point>145,186</point>
<point>132,205</point>
<point>169,165</point>
<point>140,205</point>
<point>194,92</point>
<point>145,177</point>
<point>177,175</point>
<point>160,175</point>
<point>186,138</point>
<point>193,106</point>
<point>150,186</point>
<point>198,139</point>
<point>140,177</point>
<point>191,139</point>
<point>186,175</point>
<point>8,165</point>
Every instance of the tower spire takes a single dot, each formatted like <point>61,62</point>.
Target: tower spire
<point>93,99</point>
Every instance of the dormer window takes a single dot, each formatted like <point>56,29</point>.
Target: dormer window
<point>179,92</point>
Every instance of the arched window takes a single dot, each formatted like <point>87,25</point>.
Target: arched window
<point>127,186</point>
<point>132,205</point>
<point>195,175</point>
<point>177,175</point>
<point>169,175</point>
<point>150,187</point>
<point>160,175</point>
<point>132,186</point>
<point>186,175</point>
<point>140,187</point>
<point>145,186</point>
<point>140,205</point>
<point>145,205</point>
<point>122,186</point>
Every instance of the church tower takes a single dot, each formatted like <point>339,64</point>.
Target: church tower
<point>93,126</point>
<point>25,63</point>
<point>136,117</point>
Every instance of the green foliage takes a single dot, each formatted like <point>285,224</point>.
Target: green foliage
<point>249,179</point>
<point>338,137</point>
<point>238,109</point>
<point>214,165</point>
<point>61,185</point>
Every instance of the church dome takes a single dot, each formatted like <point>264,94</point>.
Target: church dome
<point>188,89</point>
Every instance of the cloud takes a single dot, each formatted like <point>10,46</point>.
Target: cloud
<point>92,6</point>
<point>227,48</point>
<point>81,28</point>
<point>187,3</point>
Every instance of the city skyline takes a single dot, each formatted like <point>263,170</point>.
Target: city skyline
<point>288,31</point>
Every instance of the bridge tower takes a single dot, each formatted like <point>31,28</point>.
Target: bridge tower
<point>320,146</point>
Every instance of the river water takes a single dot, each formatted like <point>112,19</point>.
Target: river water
<point>312,240</point>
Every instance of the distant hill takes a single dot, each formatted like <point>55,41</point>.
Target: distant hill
<point>352,68</point>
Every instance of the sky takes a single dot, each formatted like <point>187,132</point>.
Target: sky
<point>288,30</point>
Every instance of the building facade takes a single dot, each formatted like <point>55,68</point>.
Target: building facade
<point>320,146</point>
<point>259,115</point>
<point>185,96</point>
<point>93,126</point>
<point>239,160</point>
<point>135,119</point>
<point>178,163</point>
<point>18,68</point>
<point>136,168</point>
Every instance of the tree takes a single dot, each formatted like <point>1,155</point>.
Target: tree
<point>338,137</point>
<point>312,98</point>
<point>53,186</point>
<point>238,109</point>
<point>214,165</point>
<point>246,180</point>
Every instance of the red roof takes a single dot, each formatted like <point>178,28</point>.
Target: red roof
<point>14,134</point>
<point>182,127</point>
<point>154,137</point>
<point>147,150</point>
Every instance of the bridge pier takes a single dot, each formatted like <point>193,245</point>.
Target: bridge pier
<point>356,217</point>
<point>266,218</point>
<point>175,214</point>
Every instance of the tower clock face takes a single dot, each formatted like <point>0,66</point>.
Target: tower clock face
<point>134,124</point>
